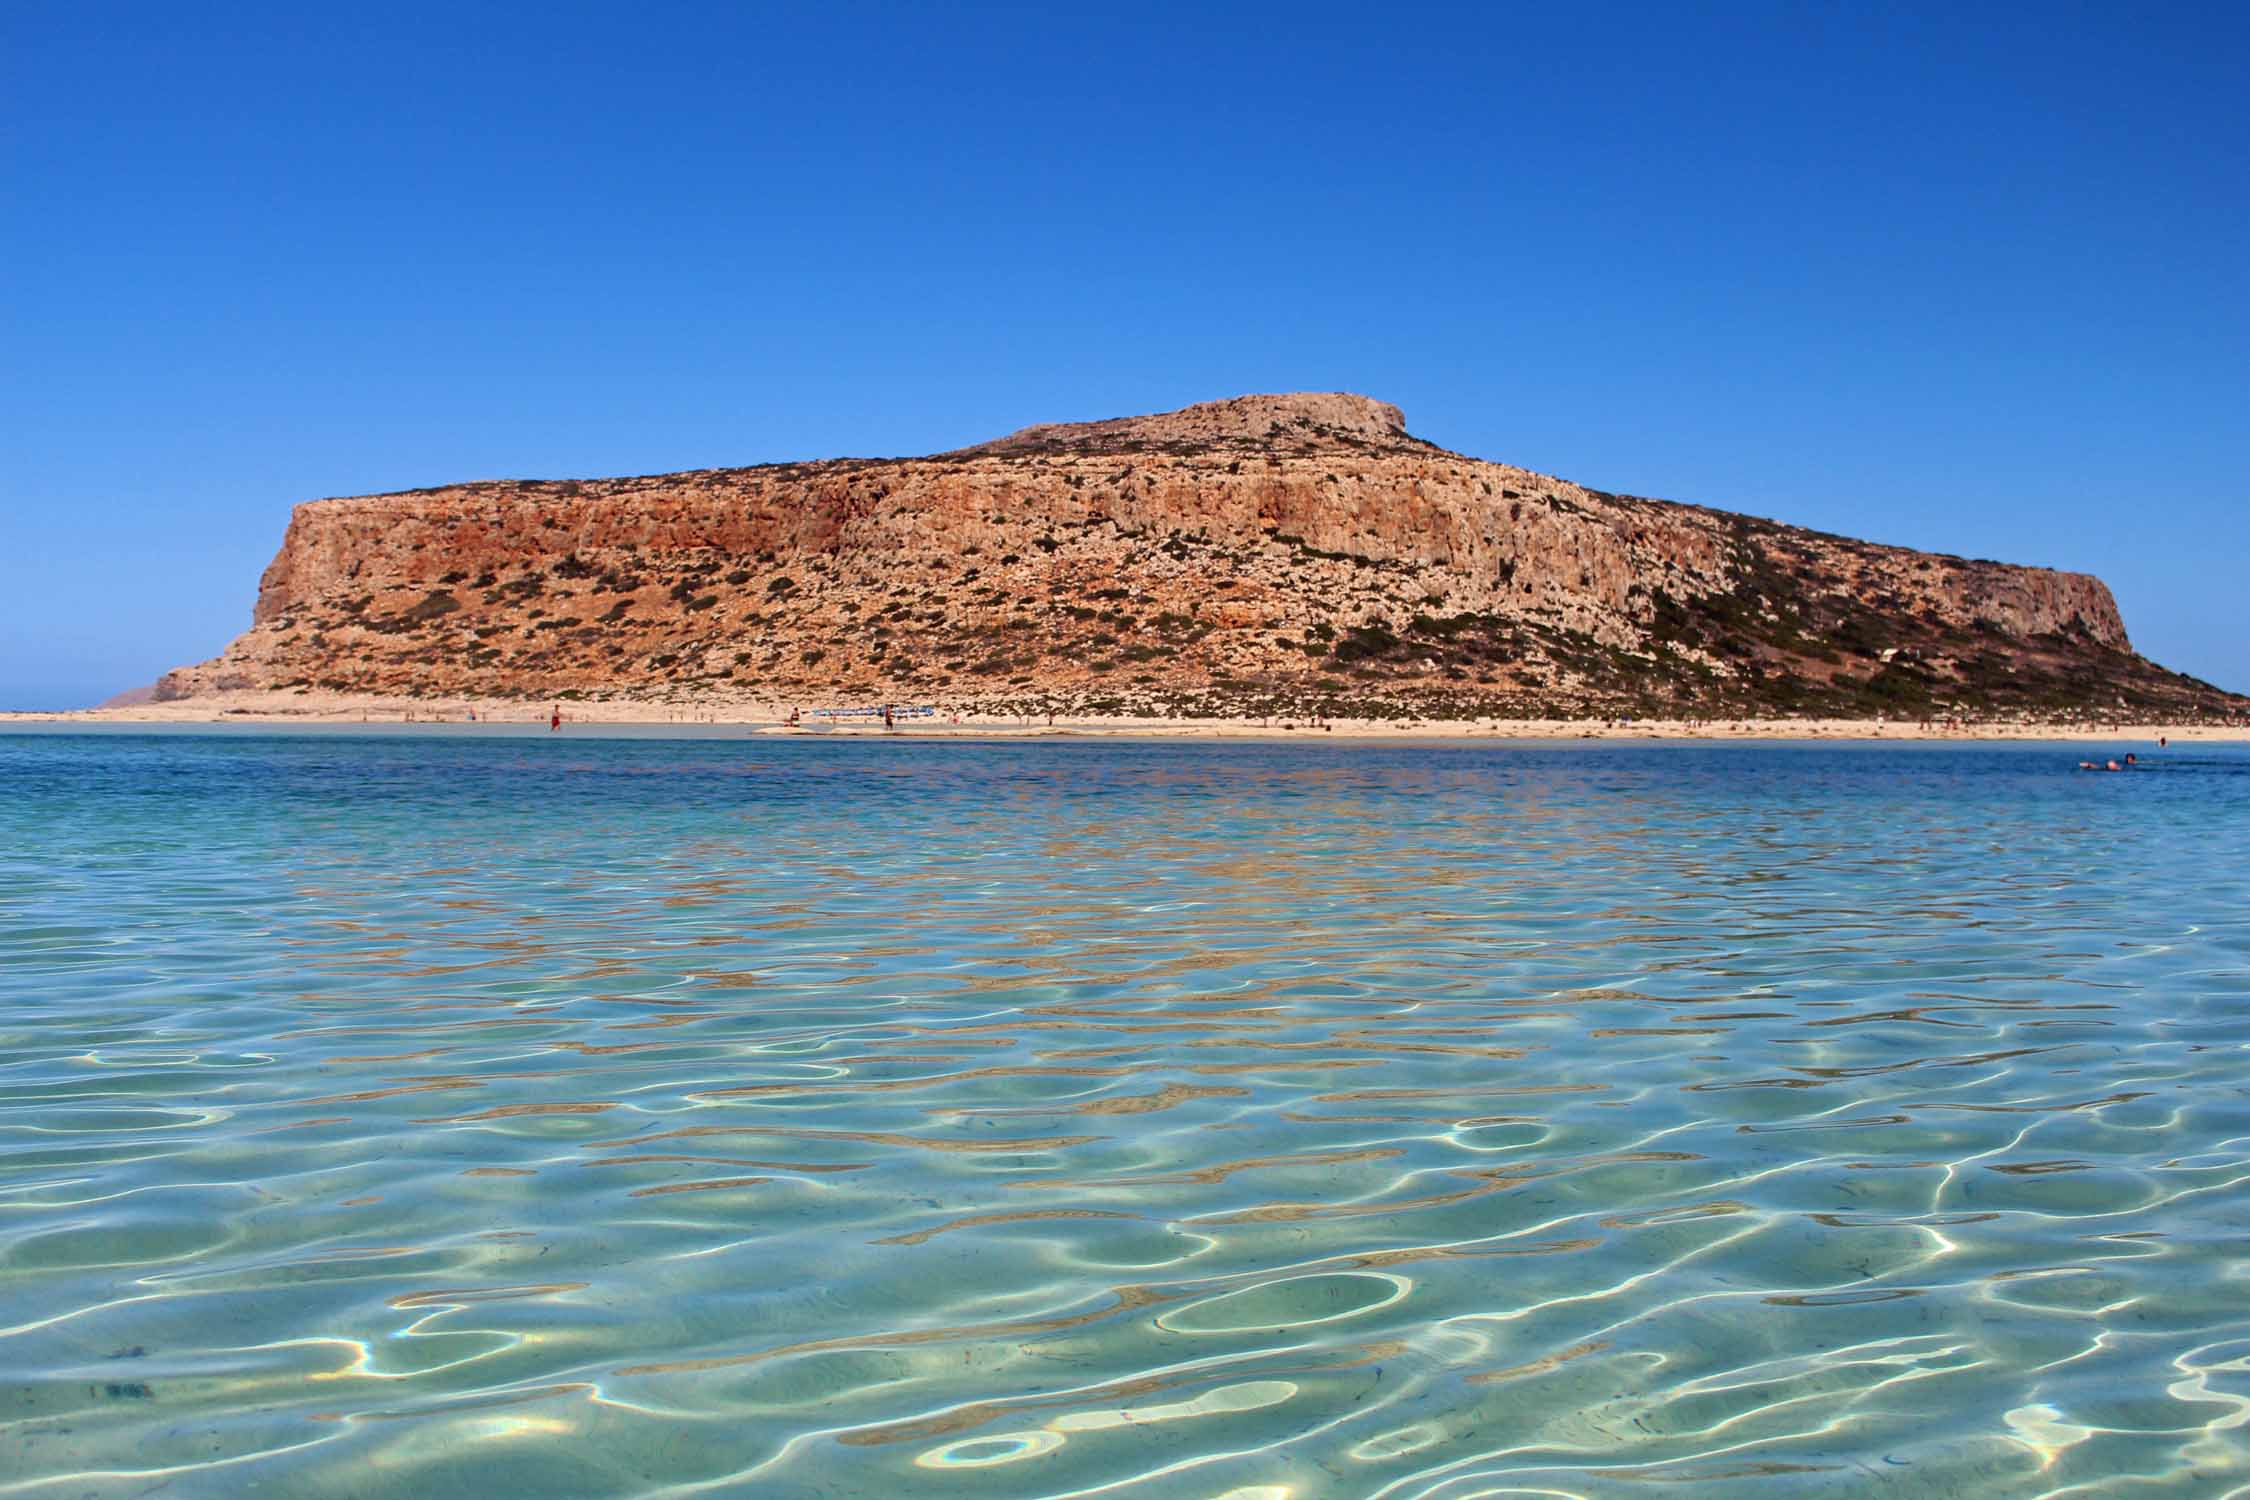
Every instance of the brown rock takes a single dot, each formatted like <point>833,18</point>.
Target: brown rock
<point>1267,552</point>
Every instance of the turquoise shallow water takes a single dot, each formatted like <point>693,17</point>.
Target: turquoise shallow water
<point>446,1115</point>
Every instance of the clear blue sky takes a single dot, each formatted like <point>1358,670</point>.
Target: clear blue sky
<point>1971,278</point>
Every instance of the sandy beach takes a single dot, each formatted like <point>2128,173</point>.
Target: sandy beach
<point>765,716</point>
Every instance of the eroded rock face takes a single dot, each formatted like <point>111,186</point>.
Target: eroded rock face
<point>1312,419</point>
<point>1269,551</point>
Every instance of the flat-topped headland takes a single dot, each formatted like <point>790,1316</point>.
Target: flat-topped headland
<point>1266,555</point>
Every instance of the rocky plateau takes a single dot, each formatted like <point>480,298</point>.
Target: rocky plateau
<point>1269,554</point>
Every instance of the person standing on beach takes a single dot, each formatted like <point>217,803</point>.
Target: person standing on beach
<point>554,720</point>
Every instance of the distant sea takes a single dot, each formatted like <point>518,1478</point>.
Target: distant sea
<point>481,1113</point>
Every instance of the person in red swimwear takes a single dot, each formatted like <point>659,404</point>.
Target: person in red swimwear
<point>554,720</point>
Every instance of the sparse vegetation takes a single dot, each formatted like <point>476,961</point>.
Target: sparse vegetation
<point>1208,611</point>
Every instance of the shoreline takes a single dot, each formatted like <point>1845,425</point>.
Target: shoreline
<point>766,718</point>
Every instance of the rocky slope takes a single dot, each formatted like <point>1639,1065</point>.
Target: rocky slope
<point>1265,554</point>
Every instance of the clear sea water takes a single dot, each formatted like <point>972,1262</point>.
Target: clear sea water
<point>486,1114</point>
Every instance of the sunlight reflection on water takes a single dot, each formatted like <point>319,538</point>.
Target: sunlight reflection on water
<point>418,1115</point>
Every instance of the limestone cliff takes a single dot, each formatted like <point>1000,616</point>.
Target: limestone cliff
<point>1264,553</point>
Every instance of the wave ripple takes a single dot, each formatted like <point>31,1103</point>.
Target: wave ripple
<point>415,1116</point>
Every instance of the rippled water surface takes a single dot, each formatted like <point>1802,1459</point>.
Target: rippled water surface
<point>448,1116</point>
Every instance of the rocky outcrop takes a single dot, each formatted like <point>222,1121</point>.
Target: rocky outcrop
<point>1270,552</point>
<point>1308,421</point>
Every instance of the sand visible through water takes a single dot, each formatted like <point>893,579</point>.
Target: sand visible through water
<point>450,1116</point>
